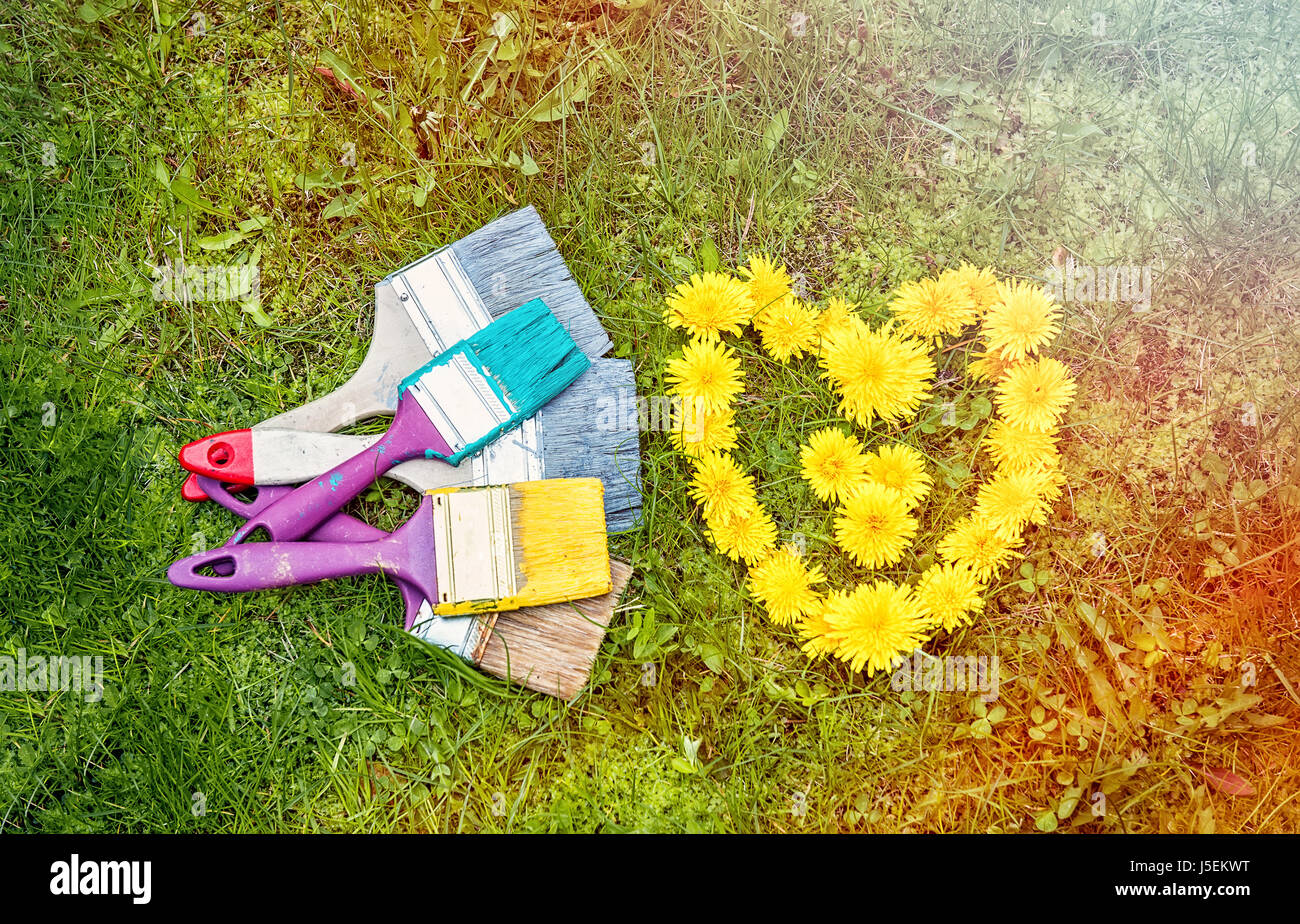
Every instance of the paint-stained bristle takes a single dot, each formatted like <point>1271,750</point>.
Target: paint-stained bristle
<point>530,355</point>
<point>561,548</point>
<point>513,259</point>
<point>591,430</point>
<point>551,648</point>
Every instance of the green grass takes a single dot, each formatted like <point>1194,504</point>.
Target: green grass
<point>703,132</point>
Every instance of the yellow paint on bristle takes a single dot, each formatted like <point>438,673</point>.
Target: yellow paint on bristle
<point>561,548</point>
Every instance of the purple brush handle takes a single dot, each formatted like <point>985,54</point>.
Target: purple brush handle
<point>338,528</point>
<point>263,565</point>
<point>411,435</point>
<point>408,554</point>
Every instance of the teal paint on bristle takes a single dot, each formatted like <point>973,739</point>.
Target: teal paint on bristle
<point>530,354</point>
<point>527,354</point>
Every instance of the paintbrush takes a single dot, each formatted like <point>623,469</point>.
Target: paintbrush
<point>545,648</point>
<point>462,400</point>
<point>426,306</point>
<point>589,430</point>
<point>551,649</point>
<point>467,550</point>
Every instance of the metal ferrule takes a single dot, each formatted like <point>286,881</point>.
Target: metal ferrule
<point>458,634</point>
<point>460,401</point>
<point>441,302</point>
<point>517,456</point>
<point>473,546</point>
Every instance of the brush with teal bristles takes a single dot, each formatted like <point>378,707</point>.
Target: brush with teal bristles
<point>461,401</point>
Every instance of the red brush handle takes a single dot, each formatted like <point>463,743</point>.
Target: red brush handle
<point>191,490</point>
<point>228,456</point>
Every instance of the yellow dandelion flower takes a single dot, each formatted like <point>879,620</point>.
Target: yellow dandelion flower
<point>767,282</point>
<point>719,486</point>
<point>902,468</point>
<point>1013,448</point>
<point>815,630</point>
<point>980,282</point>
<point>709,305</point>
<point>949,595</point>
<point>747,535</point>
<point>1053,483</point>
<point>989,367</point>
<point>1035,394</point>
<point>788,329</point>
<point>1012,500</point>
<point>784,585</point>
<point>706,372</point>
<point>839,315</point>
<point>839,312</point>
<point>974,542</point>
<point>873,526</point>
<point>877,373</point>
<point>697,432</point>
<point>1023,318</point>
<point>930,309</point>
<point>832,463</point>
<point>875,625</point>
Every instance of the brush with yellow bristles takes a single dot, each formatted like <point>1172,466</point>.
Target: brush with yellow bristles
<point>467,550</point>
